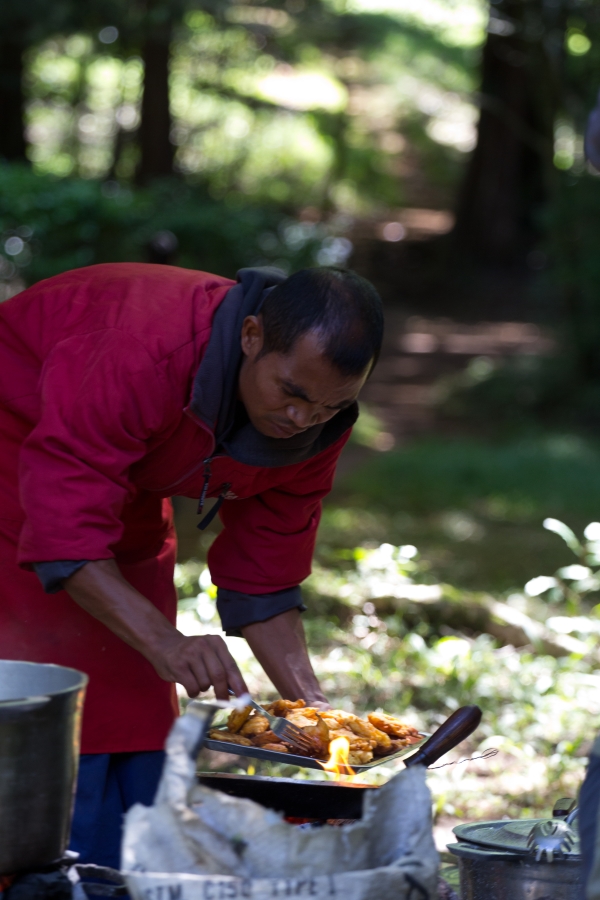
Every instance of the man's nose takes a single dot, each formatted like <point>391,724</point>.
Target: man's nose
<point>303,416</point>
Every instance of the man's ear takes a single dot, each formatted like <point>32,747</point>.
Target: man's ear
<point>252,338</point>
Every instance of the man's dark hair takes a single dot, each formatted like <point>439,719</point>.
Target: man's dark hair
<point>345,308</point>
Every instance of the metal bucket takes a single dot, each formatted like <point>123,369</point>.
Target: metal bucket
<point>40,725</point>
<point>491,875</point>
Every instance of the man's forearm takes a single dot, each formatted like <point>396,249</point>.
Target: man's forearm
<point>101,590</point>
<point>195,662</point>
<point>279,645</point>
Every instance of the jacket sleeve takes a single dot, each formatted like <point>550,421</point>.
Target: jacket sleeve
<point>268,540</point>
<point>102,399</point>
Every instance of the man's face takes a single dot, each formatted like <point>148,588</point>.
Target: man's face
<point>286,394</point>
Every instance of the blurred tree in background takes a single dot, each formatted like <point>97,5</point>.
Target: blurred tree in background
<point>326,113</point>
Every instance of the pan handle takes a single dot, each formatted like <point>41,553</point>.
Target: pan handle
<point>455,729</point>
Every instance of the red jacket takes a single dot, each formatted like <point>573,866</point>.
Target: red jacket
<point>97,368</point>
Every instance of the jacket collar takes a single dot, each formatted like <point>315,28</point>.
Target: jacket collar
<point>214,394</point>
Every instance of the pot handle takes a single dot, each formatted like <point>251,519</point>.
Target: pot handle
<point>25,704</point>
<point>455,729</point>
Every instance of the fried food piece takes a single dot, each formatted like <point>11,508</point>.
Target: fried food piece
<point>217,735</point>
<point>278,748</point>
<point>383,743</point>
<point>237,717</point>
<point>331,723</point>
<point>319,736</point>
<point>255,725</point>
<point>267,737</point>
<point>297,717</point>
<point>281,707</point>
<point>362,729</point>
<point>356,742</point>
<point>338,715</point>
<point>360,757</point>
<point>388,724</point>
<point>379,741</point>
<point>309,712</point>
<point>368,732</point>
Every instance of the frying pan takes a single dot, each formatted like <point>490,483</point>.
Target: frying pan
<point>299,799</point>
<point>450,733</point>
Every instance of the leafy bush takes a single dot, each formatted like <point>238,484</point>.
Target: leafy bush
<point>49,225</point>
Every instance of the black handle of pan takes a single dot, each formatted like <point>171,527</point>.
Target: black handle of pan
<point>455,729</point>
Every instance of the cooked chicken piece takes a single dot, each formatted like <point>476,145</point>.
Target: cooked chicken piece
<point>394,727</point>
<point>331,723</point>
<point>255,725</point>
<point>339,715</point>
<point>297,717</point>
<point>310,712</point>
<point>378,740</point>
<point>217,735</point>
<point>237,717</point>
<point>267,737</point>
<point>384,743</point>
<point>278,748</point>
<point>360,757</point>
<point>356,742</point>
<point>362,729</point>
<point>281,707</point>
<point>320,737</point>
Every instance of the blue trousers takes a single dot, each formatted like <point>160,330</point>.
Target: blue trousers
<point>107,786</point>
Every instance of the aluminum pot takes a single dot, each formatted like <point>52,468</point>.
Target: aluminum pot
<point>496,875</point>
<point>40,725</point>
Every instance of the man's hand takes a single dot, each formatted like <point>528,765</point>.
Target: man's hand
<point>195,662</point>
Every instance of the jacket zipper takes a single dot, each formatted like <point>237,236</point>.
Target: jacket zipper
<point>203,523</point>
<point>195,468</point>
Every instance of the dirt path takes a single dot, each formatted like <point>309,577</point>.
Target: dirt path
<point>420,358</point>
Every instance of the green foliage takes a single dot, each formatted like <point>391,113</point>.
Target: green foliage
<point>67,223</point>
<point>298,106</point>
<point>571,584</point>
<point>519,479</point>
<point>473,507</point>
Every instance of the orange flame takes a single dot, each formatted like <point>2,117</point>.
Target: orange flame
<point>339,753</point>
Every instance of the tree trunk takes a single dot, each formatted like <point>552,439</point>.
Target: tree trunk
<point>156,149</point>
<point>12,136</point>
<point>508,175</point>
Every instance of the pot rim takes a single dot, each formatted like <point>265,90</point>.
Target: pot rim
<point>80,682</point>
